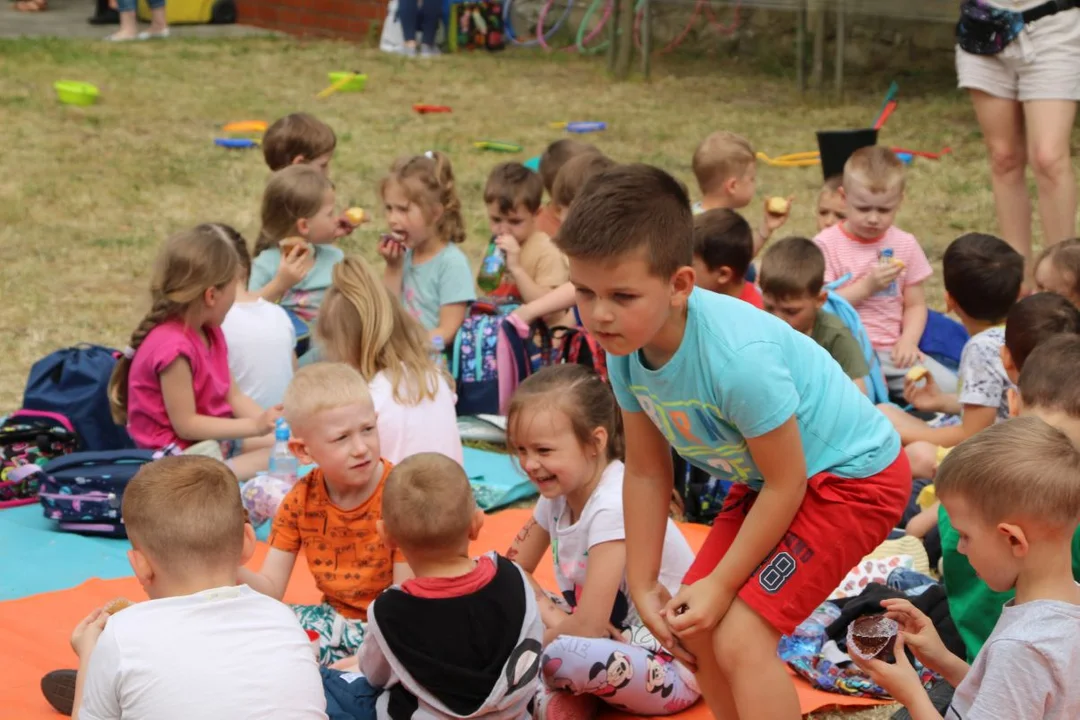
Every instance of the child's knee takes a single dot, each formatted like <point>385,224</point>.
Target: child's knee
<point>742,639</point>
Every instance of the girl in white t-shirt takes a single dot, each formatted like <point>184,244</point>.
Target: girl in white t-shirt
<point>564,425</point>
<point>362,324</point>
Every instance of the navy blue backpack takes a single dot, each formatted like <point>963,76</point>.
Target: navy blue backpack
<point>74,382</point>
<point>83,492</point>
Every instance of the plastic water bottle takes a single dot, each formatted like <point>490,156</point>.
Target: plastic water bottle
<point>492,268</point>
<point>438,352</point>
<point>282,462</point>
<point>809,636</point>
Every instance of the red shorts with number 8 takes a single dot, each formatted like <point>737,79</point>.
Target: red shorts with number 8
<point>840,521</point>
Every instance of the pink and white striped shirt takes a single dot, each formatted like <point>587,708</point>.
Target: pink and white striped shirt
<point>882,312</point>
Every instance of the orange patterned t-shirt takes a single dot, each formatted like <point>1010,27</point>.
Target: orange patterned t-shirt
<point>349,562</point>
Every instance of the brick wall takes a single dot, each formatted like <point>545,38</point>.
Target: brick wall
<point>349,19</point>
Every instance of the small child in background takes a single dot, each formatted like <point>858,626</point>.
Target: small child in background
<point>1058,270</point>
<point>173,387</point>
<point>461,639</point>
<point>1030,323</point>
<point>299,138</point>
<point>563,424</point>
<point>886,264</point>
<point>1047,389</point>
<point>1013,497</point>
<point>534,265</point>
<point>723,249</point>
<point>295,252</point>
<point>983,275</point>
<point>424,265</point>
<point>200,647</point>
<point>572,178</point>
<point>363,325</point>
<point>792,285</point>
<point>725,167</point>
<point>260,335</point>
<point>331,513</point>
<point>555,156</point>
<point>831,207</point>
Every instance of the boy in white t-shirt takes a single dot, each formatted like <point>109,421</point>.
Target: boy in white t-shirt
<point>887,266</point>
<point>201,647</point>
<point>260,336</point>
<point>1012,495</point>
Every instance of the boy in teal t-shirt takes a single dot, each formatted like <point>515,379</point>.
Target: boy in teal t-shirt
<point>1047,390</point>
<point>819,475</point>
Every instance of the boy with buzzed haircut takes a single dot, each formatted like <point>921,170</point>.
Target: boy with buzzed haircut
<point>743,397</point>
<point>462,639</point>
<point>887,266</point>
<point>555,156</point>
<point>201,646</point>
<point>299,138</point>
<point>534,265</point>
<point>1013,497</point>
<point>725,167</point>
<point>1031,322</point>
<point>331,514</point>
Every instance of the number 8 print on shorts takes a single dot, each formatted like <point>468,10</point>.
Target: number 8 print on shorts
<point>775,574</point>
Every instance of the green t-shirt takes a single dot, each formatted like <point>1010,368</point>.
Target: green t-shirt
<point>831,333</point>
<point>974,607</point>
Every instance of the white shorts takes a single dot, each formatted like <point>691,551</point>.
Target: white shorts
<point>1042,63</point>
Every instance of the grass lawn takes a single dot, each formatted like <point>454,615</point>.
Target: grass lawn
<point>89,193</point>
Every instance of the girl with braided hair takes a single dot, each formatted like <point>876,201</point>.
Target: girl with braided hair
<point>173,386</point>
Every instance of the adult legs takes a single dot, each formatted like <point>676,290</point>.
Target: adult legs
<point>430,12</point>
<point>408,11</point>
<point>1049,127</point>
<point>1002,124</point>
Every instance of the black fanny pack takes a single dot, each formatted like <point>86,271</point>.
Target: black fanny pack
<point>986,30</point>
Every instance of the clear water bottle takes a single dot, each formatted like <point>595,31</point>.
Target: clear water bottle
<point>282,462</point>
<point>438,352</point>
<point>809,637</point>
<point>492,268</point>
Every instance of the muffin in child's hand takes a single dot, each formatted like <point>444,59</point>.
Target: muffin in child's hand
<point>290,243</point>
<point>114,606</point>
<point>777,206</point>
<point>917,373</point>
<point>355,215</point>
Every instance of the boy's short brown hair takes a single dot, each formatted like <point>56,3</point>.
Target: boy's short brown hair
<point>511,185</point>
<point>874,168</point>
<point>723,238</point>
<point>720,156</point>
<point>1036,319</point>
<point>982,274</point>
<point>629,208</point>
<point>832,185</point>
<point>558,154</point>
<point>792,268</point>
<point>299,134</point>
<point>427,503</point>
<point>185,513</point>
<point>1021,467</point>
<point>575,173</point>
<point>1048,378</point>
<point>322,386</point>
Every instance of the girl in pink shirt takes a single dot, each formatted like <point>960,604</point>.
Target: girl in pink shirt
<point>173,386</point>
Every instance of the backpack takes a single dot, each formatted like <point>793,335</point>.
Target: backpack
<point>489,359</point>
<point>83,491</point>
<point>476,26</point>
<point>943,339</point>
<point>29,439</point>
<point>877,390</point>
<point>74,382</point>
<point>578,346</point>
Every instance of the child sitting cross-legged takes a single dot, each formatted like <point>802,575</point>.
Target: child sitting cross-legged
<point>331,513</point>
<point>723,249</point>
<point>461,639</point>
<point>201,646</point>
<point>792,284</point>
<point>563,424</point>
<point>1012,495</point>
<point>982,276</point>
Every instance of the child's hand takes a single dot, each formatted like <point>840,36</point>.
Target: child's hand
<point>773,221</point>
<point>344,227</point>
<point>265,423</point>
<point>698,607</point>
<point>85,635</point>
<point>392,251</point>
<point>295,266</point>
<point>923,394</point>
<point>918,632</point>
<point>905,354</point>
<point>899,678</point>
<point>510,247</point>
<point>650,606</point>
<point>883,275</point>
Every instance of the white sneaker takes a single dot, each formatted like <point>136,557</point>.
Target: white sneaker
<point>430,51</point>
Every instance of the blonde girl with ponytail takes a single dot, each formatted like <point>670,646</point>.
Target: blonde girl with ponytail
<point>424,265</point>
<point>173,387</point>
<point>362,324</point>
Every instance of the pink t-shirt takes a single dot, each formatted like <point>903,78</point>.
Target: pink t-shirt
<point>148,422</point>
<point>882,312</point>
